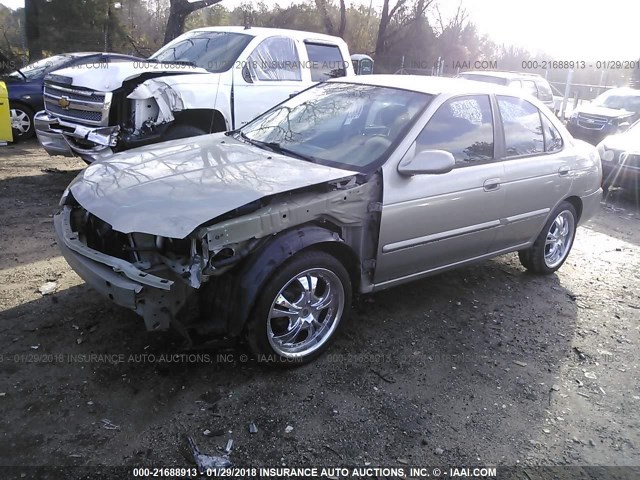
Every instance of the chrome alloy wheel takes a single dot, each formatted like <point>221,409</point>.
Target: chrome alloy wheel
<point>559,239</point>
<point>305,313</point>
<point>20,121</point>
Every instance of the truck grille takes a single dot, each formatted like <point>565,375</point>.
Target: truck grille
<point>77,104</point>
<point>592,122</point>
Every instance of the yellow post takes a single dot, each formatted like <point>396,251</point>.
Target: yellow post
<point>6,133</point>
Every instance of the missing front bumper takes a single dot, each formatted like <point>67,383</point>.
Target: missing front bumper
<point>156,299</point>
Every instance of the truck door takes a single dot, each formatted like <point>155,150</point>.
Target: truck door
<point>272,73</point>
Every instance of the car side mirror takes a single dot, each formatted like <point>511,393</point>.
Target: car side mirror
<point>430,162</point>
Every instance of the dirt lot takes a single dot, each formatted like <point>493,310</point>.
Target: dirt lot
<point>484,366</point>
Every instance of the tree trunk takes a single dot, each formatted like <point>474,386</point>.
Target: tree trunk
<point>382,28</point>
<point>178,13</point>
<point>321,5</point>
<point>32,29</point>
<point>343,19</point>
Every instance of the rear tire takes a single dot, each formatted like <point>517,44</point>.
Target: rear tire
<point>552,247</point>
<point>299,310</point>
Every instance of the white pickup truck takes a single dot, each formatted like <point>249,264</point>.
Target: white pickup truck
<point>207,80</point>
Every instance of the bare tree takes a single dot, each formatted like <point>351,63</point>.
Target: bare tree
<point>178,13</point>
<point>32,29</point>
<point>398,14</point>
<point>323,8</point>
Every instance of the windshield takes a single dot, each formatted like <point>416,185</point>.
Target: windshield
<point>618,101</point>
<point>338,124</point>
<point>213,51</point>
<point>40,68</point>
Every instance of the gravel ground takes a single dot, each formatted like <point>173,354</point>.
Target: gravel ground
<point>487,365</point>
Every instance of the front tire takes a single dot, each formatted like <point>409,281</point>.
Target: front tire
<point>552,247</point>
<point>299,310</point>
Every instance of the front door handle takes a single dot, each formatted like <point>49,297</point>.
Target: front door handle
<point>491,184</point>
<point>564,170</point>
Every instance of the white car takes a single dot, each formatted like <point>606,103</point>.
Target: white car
<point>207,80</point>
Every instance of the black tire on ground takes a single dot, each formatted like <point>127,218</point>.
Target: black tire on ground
<point>24,116</point>
<point>183,131</point>
<point>327,271</point>
<point>534,258</point>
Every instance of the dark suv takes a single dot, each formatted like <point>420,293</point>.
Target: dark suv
<point>610,113</point>
<point>529,82</point>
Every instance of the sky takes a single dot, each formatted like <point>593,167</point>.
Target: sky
<point>565,29</point>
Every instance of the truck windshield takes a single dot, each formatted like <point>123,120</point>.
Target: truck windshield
<point>213,51</point>
<point>338,124</point>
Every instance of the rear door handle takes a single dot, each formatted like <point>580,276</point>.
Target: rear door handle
<point>564,170</point>
<point>491,184</point>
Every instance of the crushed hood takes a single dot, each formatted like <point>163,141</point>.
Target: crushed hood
<point>169,189</point>
<point>114,74</point>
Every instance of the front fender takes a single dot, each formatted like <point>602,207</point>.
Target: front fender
<point>232,301</point>
<point>185,92</point>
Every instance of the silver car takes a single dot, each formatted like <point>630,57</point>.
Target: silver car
<point>352,186</point>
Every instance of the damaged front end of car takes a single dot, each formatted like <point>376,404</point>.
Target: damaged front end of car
<point>95,124</point>
<point>219,268</point>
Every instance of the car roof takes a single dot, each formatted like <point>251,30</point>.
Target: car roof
<point>268,32</point>
<point>494,73</point>
<point>430,85</point>
<point>625,91</point>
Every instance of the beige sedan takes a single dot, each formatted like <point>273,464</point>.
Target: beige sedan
<point>351,186</point>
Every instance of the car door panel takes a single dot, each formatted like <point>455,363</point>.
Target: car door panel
<point>431,221</point>
<point>532,187</point>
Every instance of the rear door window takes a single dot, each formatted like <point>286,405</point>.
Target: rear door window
<point>276,58</point>
<point>462,126</point>
<point>325,61</point>
<point>522,126</point>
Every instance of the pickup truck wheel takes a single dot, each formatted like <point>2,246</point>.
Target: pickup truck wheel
<point>552,247</point>
<point>299,309</point>
<point>21,122</point>
<point>183,131</point>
